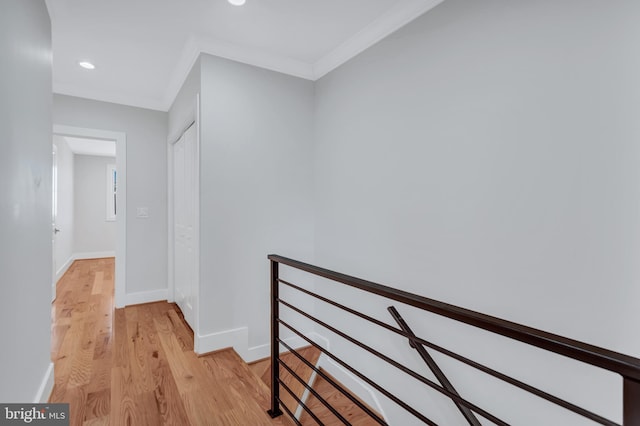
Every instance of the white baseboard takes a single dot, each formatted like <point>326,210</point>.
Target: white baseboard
<point>238,339</point>
<point>129,299</point>
<point>319,339</point>
<point>145,297</point>
<point>63,269</point>
<point>264,351</point>
<point>350,381</point>
<point>45,388</point>
<point>76,256</point>
<point>94,255</point>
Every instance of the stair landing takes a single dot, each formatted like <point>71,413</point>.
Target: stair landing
<point>136,366</point>
<point>351,412</point>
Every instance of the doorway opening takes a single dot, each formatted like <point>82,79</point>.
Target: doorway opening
<point>104,151</point>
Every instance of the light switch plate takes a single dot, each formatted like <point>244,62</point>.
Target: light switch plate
<point>142,212</point>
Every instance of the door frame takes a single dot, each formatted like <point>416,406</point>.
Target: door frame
<point>121,220</point>
<point>191,118</point>
<point>54,218</point>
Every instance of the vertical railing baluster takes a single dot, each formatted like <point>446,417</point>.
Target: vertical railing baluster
<point>275,346</point>
<point>631,415</point>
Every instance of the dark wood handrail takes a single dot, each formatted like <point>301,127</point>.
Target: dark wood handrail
<point>625,365</point>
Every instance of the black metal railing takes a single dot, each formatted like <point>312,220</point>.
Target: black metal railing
<point>624,365</point>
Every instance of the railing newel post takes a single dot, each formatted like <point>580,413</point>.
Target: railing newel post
<point>631,405</point>
<point>275,410</point>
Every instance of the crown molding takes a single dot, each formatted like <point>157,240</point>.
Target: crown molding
<point>195,45</point>
<point>188,57</point>
<point>109,96</point>
<point>388,23</point>
<point>391,21</point>
<point>49,4</point>
<point>257,57</point>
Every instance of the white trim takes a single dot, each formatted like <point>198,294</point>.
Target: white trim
<point>196,221</point>
<point>170,227</point>
<point>353,383</point>
<point>120,283</point>
<point>264,351</point>
<point>93,255</point>
<point>155,103</point>
<point>63,269</point>
<point>145,297</point>
<point>46,386</point>
<point>306,393</point>
<point>319,339</point>
<point>188,58</point>
<point>238,339</point>
<point>195,46</point>
<point>193,119</point>
<point>388,23</point>
<point>82,256</point>
<point>256,57</point>
<point>110,214</point>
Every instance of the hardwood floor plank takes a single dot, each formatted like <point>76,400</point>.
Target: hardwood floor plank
<point>123,405</point>
<point>81,364</point>
<point>180,366</point>
<point>182,331</point>
<point>98,404</point>
<point>138,356</point>
<point>309,353</point>
<point>136,366</point>
<point>120,346</point>
<point>102,421</point>
<point>351,412</point>
<point>97,283</point>
<point>100,376</point>
<point>168,400</point>
<point>77,398</point>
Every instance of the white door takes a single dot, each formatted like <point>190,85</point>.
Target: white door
<point>54,214</point>
<point>184,157</point>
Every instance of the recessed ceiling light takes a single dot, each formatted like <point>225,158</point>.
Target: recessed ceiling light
<point>87,65</point>
<point>237,2</point>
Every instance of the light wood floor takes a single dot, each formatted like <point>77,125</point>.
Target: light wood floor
<point>136,366</point>
<point>351,412</point>
<point>263,370</point>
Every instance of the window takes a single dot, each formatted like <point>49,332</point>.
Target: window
<point>112,189</point>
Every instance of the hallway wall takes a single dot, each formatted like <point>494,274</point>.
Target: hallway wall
<point>25,209</point>
<point>487,155</point>
<point>146,132</point>
<point>65,215</point>
<point>255,193</point>
<point>93,233</point>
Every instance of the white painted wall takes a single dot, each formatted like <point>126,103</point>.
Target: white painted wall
<point>146,133</point>
<point>65,216</point>
<point>93,233</point>
<point>25,209</point>
<point>487,155</point>
<point>255,191</point>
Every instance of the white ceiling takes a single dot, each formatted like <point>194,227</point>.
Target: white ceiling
<point>84,146</point>
<point>143,49</point>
